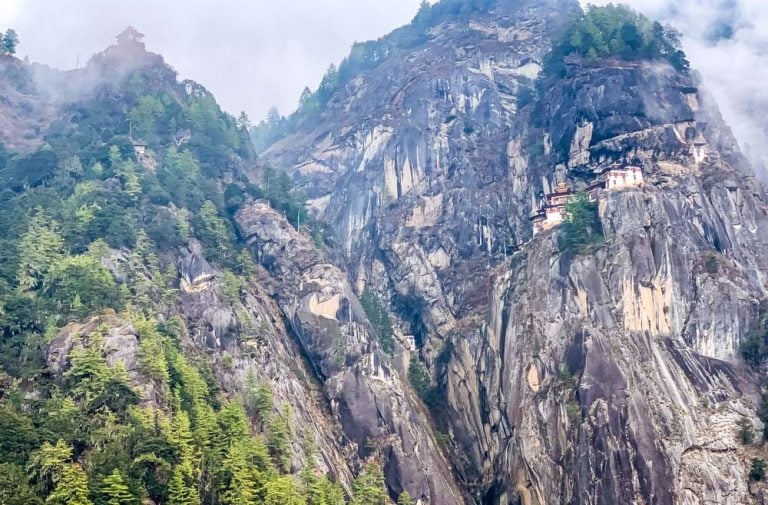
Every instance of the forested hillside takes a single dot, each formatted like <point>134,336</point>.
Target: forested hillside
<point>102,399</point>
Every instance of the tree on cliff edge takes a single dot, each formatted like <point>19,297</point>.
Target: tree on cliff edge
<point>9,42</point>
<point>581,225</point>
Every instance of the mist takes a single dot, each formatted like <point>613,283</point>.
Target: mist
<point>727,43</point>
<point>251,54</point>
<point>259,53</point>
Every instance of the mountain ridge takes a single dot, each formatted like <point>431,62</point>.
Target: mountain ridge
<point>176,328</point>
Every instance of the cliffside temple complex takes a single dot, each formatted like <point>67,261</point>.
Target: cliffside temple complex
<point>626,177</point>
<point>551,212</point>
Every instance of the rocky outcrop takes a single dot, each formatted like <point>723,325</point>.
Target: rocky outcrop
<point>196,275</point>
<point>376,410</point>
<point>119,343</point>
<point>247,340</point>
<point>608,377</point>
<point>243,340</point>
<point>618,363</point>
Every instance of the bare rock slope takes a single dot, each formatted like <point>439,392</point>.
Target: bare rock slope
<point>608,377</point>
<point>377,411</point>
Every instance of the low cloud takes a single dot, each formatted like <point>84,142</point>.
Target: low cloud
<point>251,54</point>
<point>727,42</point>
<point>257,53</point>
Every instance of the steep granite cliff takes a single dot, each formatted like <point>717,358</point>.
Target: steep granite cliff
<point>611,376</point>
<point>377,411</point>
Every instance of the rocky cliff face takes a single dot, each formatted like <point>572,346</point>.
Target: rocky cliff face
<point>244,339</point>
<point>378,413</point>
<point>611,376</point>
<point>432,123</point>
<point>622,365</point>
<point>607,377</point>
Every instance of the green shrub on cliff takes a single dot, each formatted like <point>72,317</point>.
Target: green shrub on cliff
<point>754,348</point>
<point>379,317</point>
<point>617,31</point>
<point>746,433</point>
<point>581,225</point>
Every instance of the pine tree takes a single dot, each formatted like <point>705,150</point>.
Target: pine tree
<point>9,42</point>
<point>115,158</point>
<point>249,393</point>
<point>72,166</point>
<point>73,487</point>
<point>14,486</point>
<point>231,287</point>
<point>233,425</point>
<point>306,107</point>
<point>369,488</point>
<point>419,379</point>
<point>115,490</point>
<point>264,401</point>
<point>248,466</point>
<point>205,428</point>
<point>328,85</point>
<point>40,248</point>
<point>76,306</point>
<point>181,438</point>
<point>404,499</point>
<point>179,491</point>
<point>379,318</point>
<point>180,173</point>
<point>284,491</point>
<point>187,471</point>
<point>333,493</point>
<point>244,122</point>
<point>129,176</point>
<point>152,350</point>
<point>193,391</point>
<point>311,482</point>
<point>46,465</point>
<point>88,372</point>
<point>182,226</point>
<point>244,264</point>
<point>84,278</point>
<point>144,116</point>
<point>279,437</point>
<point>214,232</point>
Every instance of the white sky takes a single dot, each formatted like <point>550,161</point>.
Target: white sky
<point>734,69</point>
<point>256,53</point>
<point>250,53</point>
